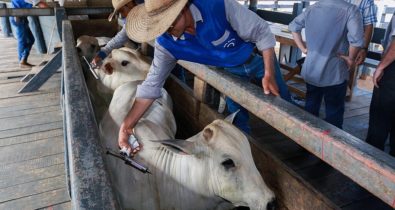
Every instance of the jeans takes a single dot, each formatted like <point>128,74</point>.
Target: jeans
<point>334,97</point>
<point>248,71</point>
<point>382,112</point>
<point>25,38</point>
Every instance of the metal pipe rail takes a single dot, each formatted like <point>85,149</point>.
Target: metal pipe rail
<point>369,167</point>
<point>89,181</point>
<point>5,12</point>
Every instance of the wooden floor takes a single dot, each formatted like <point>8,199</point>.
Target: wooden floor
<point>341,190</point>
<point>32,169</point>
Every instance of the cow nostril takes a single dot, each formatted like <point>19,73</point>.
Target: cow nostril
<point>272,205</point>
<point>108,68</point>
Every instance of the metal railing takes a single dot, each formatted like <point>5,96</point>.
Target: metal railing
<point>89,181</point>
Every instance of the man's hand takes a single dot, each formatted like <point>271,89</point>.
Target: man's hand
<point>304,51</point>
<point>269,85</point>
<point>361,56</point>
<point>123,137</point>
<point>378,74</point>
<point>96,60</point>
<point>349,61</point>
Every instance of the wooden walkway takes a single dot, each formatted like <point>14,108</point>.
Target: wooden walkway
<point>32,169</point>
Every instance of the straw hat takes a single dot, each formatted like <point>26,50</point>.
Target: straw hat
<point>117,4</point>
<point>147,21</point>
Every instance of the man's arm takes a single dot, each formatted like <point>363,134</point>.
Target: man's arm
<point>252,28</point>
<point>147,92</point>
<point>368,33</point>
<point>116,42</point>
<point>138,109</point>
<point>387,59</point>
<point>268,82</point>
<point>299,42</point>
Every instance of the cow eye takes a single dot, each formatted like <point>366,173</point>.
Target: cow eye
<point>228,164</point>
<point>124,63</point>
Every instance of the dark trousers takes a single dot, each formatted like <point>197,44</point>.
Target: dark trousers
<point>334,102</point>
<point>25,38</point>
<point>382,112</point>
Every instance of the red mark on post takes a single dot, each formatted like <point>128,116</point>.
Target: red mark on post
<point>323,134</point>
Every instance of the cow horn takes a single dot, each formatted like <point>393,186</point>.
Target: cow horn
<point>180,145</point>
<point>231,117</point>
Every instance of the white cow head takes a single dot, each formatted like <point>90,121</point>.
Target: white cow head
<point>125,61</point>
<point>230,172</point>
<point>87,46</point>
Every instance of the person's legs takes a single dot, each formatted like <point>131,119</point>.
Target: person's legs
<point>334,97</point>
<point>379,125</point>
<point>314,96</point>
<point>382,112</point>
<point>242,118</point>
<point>25,41</point>
<point>29,42</point>
<point>392,136</point>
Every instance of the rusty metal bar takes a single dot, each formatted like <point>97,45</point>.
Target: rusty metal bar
<point>5,12</point>
<point>369,167</point>
<point>89,180</point>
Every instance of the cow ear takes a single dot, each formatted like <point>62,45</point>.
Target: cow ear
<point>178,145</point>
<point>208,134</point>
<point>231,117</point>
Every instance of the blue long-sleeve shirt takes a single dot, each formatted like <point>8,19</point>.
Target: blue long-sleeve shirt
<point>331,26</point>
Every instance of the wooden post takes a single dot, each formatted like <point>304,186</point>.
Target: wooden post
<point>253,5</point>
<point>199,89</point>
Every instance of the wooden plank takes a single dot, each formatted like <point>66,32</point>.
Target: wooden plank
<point>32,176</point>
<point>27,112</point>
<point>31,150</point>
<point>31,129</point>
<point>31,106</point>
<point>367,203</point>
<point>34,119</point>
<point>303,161</point>
<point>42,162</point>
<point>31,137</point>
<point>8,75</point>
<point>10,90</point>
<point>44,74</point>
<point>340,189</point>
<point>288,187</point>
<point>30,100</point>
<point>37,201</point>
<point>316,171</point>
<point>9,81</point>
<point>199,89</point>
<point>62,206</point>
<point>32,188</point>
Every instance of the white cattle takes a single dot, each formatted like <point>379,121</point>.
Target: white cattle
<point>212,170</point>
<point>122,65</point>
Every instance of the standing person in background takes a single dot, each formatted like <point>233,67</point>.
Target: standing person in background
<point>369,18</point>
<point>382,106</point>
<point>333,28</point>
<point>23,33</point>
<point>122,7</point>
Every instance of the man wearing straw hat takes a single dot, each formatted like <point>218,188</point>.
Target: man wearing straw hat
<point>121,7</point>
<point>219,33</point>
